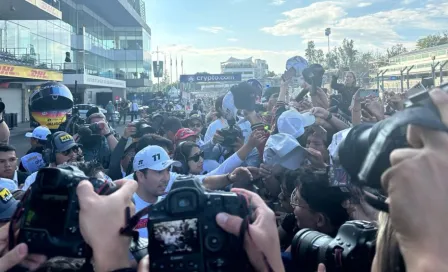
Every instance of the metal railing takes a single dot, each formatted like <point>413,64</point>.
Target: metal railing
<point>25,57</point>
<point>83,68</point>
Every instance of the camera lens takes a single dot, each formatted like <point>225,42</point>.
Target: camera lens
<point>308,249</point>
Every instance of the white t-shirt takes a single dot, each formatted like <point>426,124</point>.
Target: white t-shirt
<point>29,181</point>
<point>213,127</point>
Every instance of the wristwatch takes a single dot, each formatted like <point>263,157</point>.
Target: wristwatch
<point>329,116</point>
<point>108,134</point>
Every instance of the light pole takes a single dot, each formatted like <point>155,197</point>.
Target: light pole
<point>407,76</point>
<point>441,71</point>
<point>402,78</point>
<point>158,67</point>
<point>328,33</point>
<point>433,69</point>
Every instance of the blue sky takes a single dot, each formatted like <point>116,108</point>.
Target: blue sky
<point>207,32</point>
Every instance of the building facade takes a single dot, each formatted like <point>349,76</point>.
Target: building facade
<point>420,63</point>
<point>89,48</point>
<point>32,37</point>
<point>110,48</point>
<point>248,68</point>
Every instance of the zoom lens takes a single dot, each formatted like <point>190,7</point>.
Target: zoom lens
<point>308,249</point>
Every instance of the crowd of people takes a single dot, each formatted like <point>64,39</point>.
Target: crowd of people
<point>282,155</point>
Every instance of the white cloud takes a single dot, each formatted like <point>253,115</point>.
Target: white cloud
<point>364,4</point>
<point>407,2</point>
<point>211,29</point>
<point>300,21</point>
<point>278,2</point>
<point>370,31</point>
<point>232,40</point>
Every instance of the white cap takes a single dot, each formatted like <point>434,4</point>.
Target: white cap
<point>283,149</point>
<point>8,184</point>
<point>228,106</point>
<point>294,123</point>
<point>39,133</point>
<point>335,141</point>
<point>153,157</point>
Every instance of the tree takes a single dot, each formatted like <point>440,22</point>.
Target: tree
<point>432,40</point>
<point>320,58</point>
<point>314,55</point>
<point>310,52</point>
<point>396,50</point>
<point>332,60</point>
<point>347,53</point>
<point>271,74</point>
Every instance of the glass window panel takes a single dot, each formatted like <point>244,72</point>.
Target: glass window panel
<point>41,49</point>
<point>57,34</point>
<point>131,70</point>
<point>11,37</point>
<point>24,40</point>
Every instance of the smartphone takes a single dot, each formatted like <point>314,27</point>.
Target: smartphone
<point>369,92</point>
<point>289,74</point>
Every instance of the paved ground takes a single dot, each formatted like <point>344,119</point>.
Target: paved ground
<point>22,144</point>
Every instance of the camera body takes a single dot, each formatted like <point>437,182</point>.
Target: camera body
<point>183,234</point>
<point>352,249</point>
<point>50,221</point>
<point>230,134</point>
<point>95,128</point>
<point>142,128</point>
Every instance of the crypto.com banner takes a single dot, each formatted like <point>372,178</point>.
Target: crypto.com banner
<point>210,78</point>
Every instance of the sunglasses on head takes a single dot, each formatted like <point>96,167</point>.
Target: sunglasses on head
<point>196,157</point>
<point>75,149</point>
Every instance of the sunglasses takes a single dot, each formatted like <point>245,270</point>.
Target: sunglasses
<point>75,149</point>
<point>196,157</point>
<point>196,125</point>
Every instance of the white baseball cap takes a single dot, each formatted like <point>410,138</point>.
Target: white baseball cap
<point>336,140</point>
<point>294,123</point>
<point>228,106</point>
<point>283,149</point>
<point>153,157</point>
<point>39,133</point>
<point>8,184</point>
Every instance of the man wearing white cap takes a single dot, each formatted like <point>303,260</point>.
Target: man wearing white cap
<point>152,172</point>
<point>38,138</point>
<point>33,160</point>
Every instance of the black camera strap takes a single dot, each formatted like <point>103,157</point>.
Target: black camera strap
<point>131,222</point>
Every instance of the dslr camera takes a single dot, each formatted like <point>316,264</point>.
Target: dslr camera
<point>183,234</point>
<point>353,248</point>
<point>230,134</point>
<point>142,128</point>
<point>49,223</point>
<point>374,142</point>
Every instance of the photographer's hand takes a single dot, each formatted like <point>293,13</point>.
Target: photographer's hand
<point>244,174</point>
<point>100,220</point>
<point>375,108</point>
<point>263,248</point>
<point>18,255</point>
<point>315,158</point>
<point>217,138</point>
<point>418,191</point>
<point>320,112</point>
<point>129,131</point>
<point>104,127</point>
